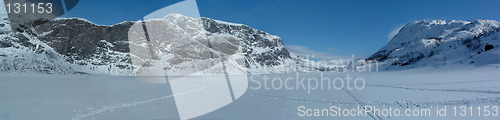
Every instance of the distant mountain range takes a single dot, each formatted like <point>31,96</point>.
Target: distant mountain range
<point>78,46</point>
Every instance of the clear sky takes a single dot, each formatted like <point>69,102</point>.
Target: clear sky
<point>326,28</point>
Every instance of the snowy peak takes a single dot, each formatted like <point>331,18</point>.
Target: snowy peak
<point>443,29</point>
<point>438,42</point>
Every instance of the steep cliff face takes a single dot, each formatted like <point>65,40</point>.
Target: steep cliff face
<point>66,46</point>
<point>75,45</point>
<point>264,52</point>
<point>439,43</point>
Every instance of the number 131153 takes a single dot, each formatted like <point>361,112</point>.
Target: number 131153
<point>29,8</point>
<point>475,111</point>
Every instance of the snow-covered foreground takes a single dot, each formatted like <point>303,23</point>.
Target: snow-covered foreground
<point>87,97</point>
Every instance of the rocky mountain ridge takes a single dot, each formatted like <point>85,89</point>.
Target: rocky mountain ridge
<point>75,45</point>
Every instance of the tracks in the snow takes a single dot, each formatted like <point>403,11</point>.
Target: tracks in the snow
<point>361,104</point>
<point>125,105</point>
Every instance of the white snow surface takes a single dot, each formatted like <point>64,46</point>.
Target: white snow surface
<point>93,97</point>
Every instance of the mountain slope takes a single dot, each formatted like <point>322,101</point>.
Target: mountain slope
<point>75,45</point>
<point>439,43</point>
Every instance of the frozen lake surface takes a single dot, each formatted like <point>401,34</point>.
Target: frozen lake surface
<point>88,97</point>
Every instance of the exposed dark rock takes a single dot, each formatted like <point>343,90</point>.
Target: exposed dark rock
<point>488,47</point>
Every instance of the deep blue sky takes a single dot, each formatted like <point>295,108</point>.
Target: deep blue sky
<point>324,27</point>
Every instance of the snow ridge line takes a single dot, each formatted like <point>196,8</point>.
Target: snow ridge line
<point>444,90</point>
<point>124,105</point>
<point>449,83</point>
<point>298,99</point>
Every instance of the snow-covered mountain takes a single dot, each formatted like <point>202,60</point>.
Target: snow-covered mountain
<point>75,45</point>
<point>439,43</point>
